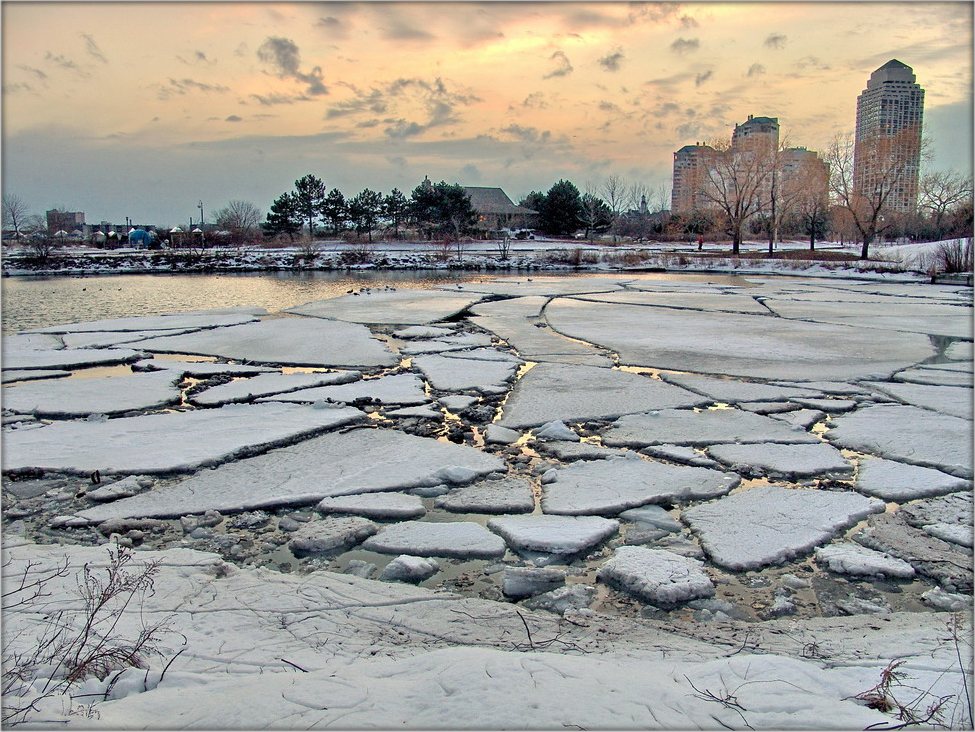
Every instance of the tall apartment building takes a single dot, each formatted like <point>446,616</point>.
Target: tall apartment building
<point>64,220</point>
<point>762,131</point>
<point>690,166</point>
<point>887,149</point>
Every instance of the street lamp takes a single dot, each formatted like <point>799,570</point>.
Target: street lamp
<point>200,206</point>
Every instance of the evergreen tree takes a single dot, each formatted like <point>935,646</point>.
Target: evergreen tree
<point>596,215</point>
<point>335,210</point>
<point>310,194</point>
<point>395,209</point>
<point>364,211</point>
<point>284,217</point>
<point>562,211</point>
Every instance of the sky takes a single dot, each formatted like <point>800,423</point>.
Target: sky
<point>146,109</point>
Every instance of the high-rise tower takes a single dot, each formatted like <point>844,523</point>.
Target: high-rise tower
<point>887,154</point>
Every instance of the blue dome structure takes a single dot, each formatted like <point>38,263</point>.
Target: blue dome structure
<point>141,237</point>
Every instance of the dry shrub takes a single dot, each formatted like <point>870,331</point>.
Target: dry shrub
<point>956,256</point>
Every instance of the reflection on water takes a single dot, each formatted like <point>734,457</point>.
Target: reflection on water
<point>35,302</point>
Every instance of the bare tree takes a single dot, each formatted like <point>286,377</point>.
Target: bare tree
<point>615,195</point>
<point>734,182</point>
<point>890,160</point>
<point>942,192</point>
<point>15,210</point>
<point>811,203</point>
<point>240,218</point>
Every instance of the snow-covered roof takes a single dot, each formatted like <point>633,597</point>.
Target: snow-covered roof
<point>493,201</point>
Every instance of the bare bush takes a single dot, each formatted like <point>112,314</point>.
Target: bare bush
<point>954,256</point>
<point>75,645</point>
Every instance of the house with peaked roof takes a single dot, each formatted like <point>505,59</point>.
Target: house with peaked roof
<point>496,211</point>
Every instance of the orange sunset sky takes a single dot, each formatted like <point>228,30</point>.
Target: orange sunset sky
<point>142,109</point>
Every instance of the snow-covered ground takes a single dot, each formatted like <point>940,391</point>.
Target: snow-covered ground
<point>595,502</point>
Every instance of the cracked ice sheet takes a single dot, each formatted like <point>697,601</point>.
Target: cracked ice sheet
<point>406,307</point>
<point>771,524</point>
<point>752,346</point>
<point>708,427</point>
<point>329,624</point>
<point>200,319</point>
<point>791,461</point>
<point>167,443</point>
<point>242,390</point>
<point>514,321</point>
<point>908,435</point>
<point>538,286</point>
<point>336,464</point>
<point>287,340</point>
<point>458,374</point>
<point>393,389</point>
<point>894,481</point>
<point>898,314</point>
<point>9,376</point>
<point>68,358</point>
<point>709,301</point>
<point>100,339</point>
<point>98,395</point>
<point>734,391</point>
<point>955,401</point>
<point>619,483</point>
<point>575,393</point>
<point>200,368</point>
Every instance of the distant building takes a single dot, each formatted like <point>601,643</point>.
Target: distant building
<point>690,166</point>
<point>762,131</point>
<point>496,211</point>
<point>64,220</point>
<point>890,111</point>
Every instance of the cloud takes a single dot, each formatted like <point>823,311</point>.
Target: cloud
<point>182,87</point>
<point>605,106</point>
<point>685,45</point>
<point>399,30</point>
<point>776,40</point>
<point>335,27</point>
<point>703,77</point>
<point>64,62</point>
<point>470,172</point>
<point>611,61</point>
<point>535,100</point>
<point>270,100</point>
<point>234,118</point>
<point>17,88</point>
<point>666,108</point>
<point>813,62</point>
<point>373,101</point>
<point>666,83</point>
<point>687,22</point>
<point>93,50</point>
<point>241,50</point>
<point>283,56</point>
<point>562,65</point>
<point>401,129</point>
<point>36,72</point>
<point>527,134</point>
<point>755,70</point>
<point>199,57</point>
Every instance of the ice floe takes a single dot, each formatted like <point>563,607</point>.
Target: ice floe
<point>935,377</point>
<point>167,443</point>
<point>618,483</point>
<point>521,582</point>
<point>416,307</point>
<point>287,340</point>
<point>656,516</point>
<point>907,434</point>
<point>10,375</point>
<point>952,533</point>
<point>681,454</point>
<point>734,391</point>
<point>955,401</point>
<point>66,358</point>
<point>707,301</point>
<point>856,560</point>
<point>393,389</point>
<point>243,390</point>
<point>459,342</point>
<point>557,537</point>
<point>656,576</point>
<point>772,524</point>
<point>409,569</point>
<point>99,395</point>
<point>495,434</point>
<point>329,534</point>
<point>424,331</point>
<point>375,505</point>
<point>459,374</point>
<point>507,495</point>
<point>173,321</point>
<point>460,539</point>
<point>552,391</point>
<point>894,481</point>
<point>791,461</point>
<point>424,411</point>
<point>569,451</point>
<point>708,427</point>
<point>200,369</point>
<point>337,464</point>
<point>557,431</point>
<point>802,419</point>
<point>97,339</point>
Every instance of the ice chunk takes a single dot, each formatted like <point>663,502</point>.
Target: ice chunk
<point>681,454</point>
<point>615,484</point>
<point>409,569</point>
<point>955,401</point>
<point>457,403</point>
<point>495,434</point>
<point>734,390</point>
<point>461,539</point>
<point>907,434</point>
<point>424,331</point>
<point>801,418</point>
<point>947,601</point>
<point>830,406</point>
<point>793,461</point>
<point>292,341</point>
<point>375,505</point>
<point>508,495</point>
<point>576,393</point>
<point>98,395</point>
<point>458,342</point>
<point>894,481</point>
<point>752,346</point>
<point>768,407</point>
<point>456,374</point>
<point>656,576</point>
<point>564,536</point>
<point>955,508</point>
<point>709,427</point>
<point>360,461</point>
<point>426,411</point>
<point>123,488</point>
<point>67,358</point>
<point>953,533</point>
<point>704,300</point>
<point>9,375</point>
<point>167,443</point>
<point>243,390</point>
<point>392,389</point>
<point>330,534</point>
<point>562,599</point>
<point>390,306</point>
<point>198,369</point>
<point>484,354</point>
<point>771,524</point>
<point>170,321</point>
<point>521,582</point>
<point>569,451</point>
<point>655,516</point>
<point>556,430</point>
<point>959,351</point>
<point>935,377</point>
<point>853,559</point>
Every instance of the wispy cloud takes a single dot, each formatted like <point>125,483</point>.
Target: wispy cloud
<point>687,22</point>
<point>563,67</point>
<point>703,77</point>
<point>284,58</point>
<point>233,118</point>
<point>93,50</point>
<point>198,58</point>
<point>527,134</point>
<point>65,63</point>
<point>34,72</point>
<point>755,70</point>
<point>611,61</point>
<point>270,100</point>
<point>776,40</point>
<point>685,45</point>
<point>181,87</point>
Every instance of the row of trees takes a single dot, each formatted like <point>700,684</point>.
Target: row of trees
<point>435,209</point>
